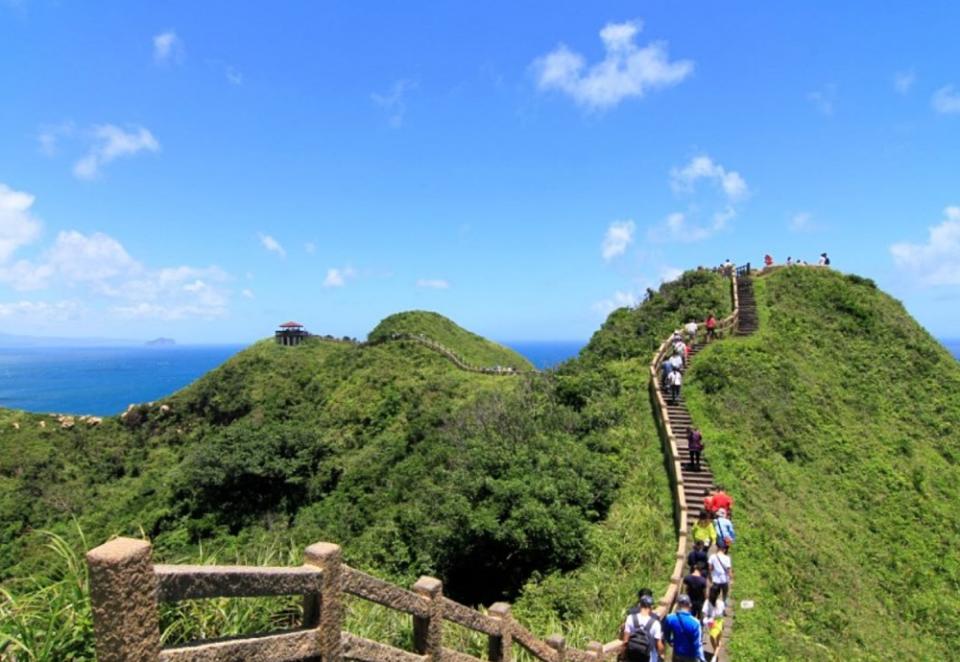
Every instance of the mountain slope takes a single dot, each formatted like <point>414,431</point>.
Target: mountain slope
<point>836,430</point>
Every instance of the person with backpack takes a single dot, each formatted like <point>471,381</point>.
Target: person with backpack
<point>643,634</point>
<point>724,526</point>
<point>824,260</point>
<point>682,631</point>
<point>697,556</point>
<point>665,369</point>
<point>694,447</point>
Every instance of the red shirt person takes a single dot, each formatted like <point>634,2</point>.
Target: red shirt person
<point>716,500</point>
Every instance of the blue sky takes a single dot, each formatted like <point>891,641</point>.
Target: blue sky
<point>205,171</point>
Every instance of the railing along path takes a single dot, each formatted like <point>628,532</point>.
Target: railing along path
<point>126,589</point>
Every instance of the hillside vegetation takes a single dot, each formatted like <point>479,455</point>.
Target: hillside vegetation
<point>837,430</point>
<point>475,350</point>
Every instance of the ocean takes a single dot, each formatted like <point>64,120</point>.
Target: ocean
<point>100,380</point>
<point>103,380</point>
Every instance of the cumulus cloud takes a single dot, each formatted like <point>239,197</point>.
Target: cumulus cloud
<point>946,100</point>
<point>18,226</point>
<point>626,70</point>
<point>903,81</point>
<point>247,293</point>
<point>801,221</point>
<point>338,277</point>
<point>670,274</point>
<point>680,227</point>
<point>618,237</point>
<point>40,311</point>
<point>618,300</point>
<point>49,136</point>
<point>272,245</point>
<point>111,142</point>
<point>936,262</point>
<point>394,102</point>
<point>702,167</point>
<point>433,283</point>
<point>167,47</point>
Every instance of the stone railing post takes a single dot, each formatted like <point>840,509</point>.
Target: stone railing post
<point>559,644</point>
<point>500,647</point>
<point>428,631</point>
<point>123,595</point>
<point>325,611</point>
<point>595,648</point>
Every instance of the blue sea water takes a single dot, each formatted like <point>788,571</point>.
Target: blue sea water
<point>100,380</point>
<point>545,354</point>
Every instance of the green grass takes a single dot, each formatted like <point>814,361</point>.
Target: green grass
<point>476,350</point>
<point>835,428</point>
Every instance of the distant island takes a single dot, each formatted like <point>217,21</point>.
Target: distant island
<point>161,342</point>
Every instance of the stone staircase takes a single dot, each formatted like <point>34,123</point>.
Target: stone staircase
<point>696,482</point>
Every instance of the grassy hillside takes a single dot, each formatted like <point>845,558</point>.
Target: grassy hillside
<point>475,349</point>
<point>837,430</point>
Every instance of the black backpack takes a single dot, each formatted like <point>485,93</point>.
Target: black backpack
<point>638,645</point>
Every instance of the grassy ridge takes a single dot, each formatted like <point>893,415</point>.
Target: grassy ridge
<point>836,429</point>
<point>476,350</point>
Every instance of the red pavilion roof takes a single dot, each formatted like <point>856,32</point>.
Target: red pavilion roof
<point>291,325</point>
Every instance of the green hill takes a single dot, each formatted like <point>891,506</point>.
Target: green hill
<point>836,430</point>
<point>474,349</point>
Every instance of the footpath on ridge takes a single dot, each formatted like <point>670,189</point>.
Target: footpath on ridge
<point>696,483</point>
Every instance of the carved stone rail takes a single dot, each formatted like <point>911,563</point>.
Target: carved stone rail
<point>126,589</point>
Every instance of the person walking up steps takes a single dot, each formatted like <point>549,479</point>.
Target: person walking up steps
<point>643,634</point>
<point>694,447</point>
<point>698,556</point>
<point>704,531</point>
<point>665,369</point>
<point>695,585</point>
<point>711,324</point>
<point>724,526</point>
<point>713,613</point>
<point>721,572</point>
<point>691,329</point>
<point>675,379</point>
<point>682,631</point>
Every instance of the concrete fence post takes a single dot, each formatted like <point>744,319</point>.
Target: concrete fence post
<point>559,644</point>
<point>595,648</point>
<point>325,611</point>
<point>500,647</point>
<point>428,631</point>
<point>123,595</point>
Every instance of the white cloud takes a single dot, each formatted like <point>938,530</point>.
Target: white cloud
<point>670,274</point>
<point>433,283</point>
<point>112,142</point>
<point>824,99</point>
<point>394,102</point>
<point>903,81</point>
<point>233,75</point>
<point>167,47</point>
<point>946,100</point>
<point>18,226</point>
<point>40,311</point>
<point>49,136</point>
<point>618,237</point>
<point>338,277</point>
<point>936,262</point>
<point>310,248</point>
<point>90,258</point>
<point>702,167</point>
<point>679,227</point>
<point>618,300</point>
<point>801,221</point>
<point>625,71</point>
<point>247,293</point>
<point>271,244</point>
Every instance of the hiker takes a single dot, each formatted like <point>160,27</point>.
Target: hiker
<point>767,260</point>
<point>713,620</point>
<point>694,447</point>
<point>682,631</point>
<point>691,329</point>
<point>704,531</point>
<point>789,261</point>
<point>711,325</point>
<point>723,526</point>
<point>824,260</point>
<point>695,585</point>
<point>698,555</point>
<point>666,368</point>
<point>716,499</point>
<point>727,267</point>
<point>675,379</point>
<point>643,634</point>
<point>721,571</point>
<point>677,362</point>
